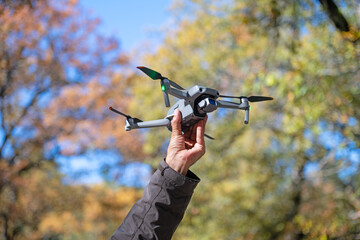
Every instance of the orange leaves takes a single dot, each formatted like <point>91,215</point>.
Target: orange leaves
<point>57,209</point>
<point>81,114</point>
<point>61,223</point>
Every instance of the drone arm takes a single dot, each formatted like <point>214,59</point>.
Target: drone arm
<point>244,105</point>
<point>177,93</point>
<point>131,124</point>
<point>167,89</point>
<point>226,104</point>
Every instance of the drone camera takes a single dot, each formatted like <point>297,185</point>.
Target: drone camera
<point>207,105</point>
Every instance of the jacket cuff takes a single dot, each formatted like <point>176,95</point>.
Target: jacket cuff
<point>183,183</point>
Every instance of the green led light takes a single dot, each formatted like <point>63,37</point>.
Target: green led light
<point>249,108</point>
<point>163,88</point>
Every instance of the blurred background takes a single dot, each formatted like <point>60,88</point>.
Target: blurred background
<point>68,169</point>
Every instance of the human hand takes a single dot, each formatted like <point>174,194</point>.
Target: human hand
<point>185,149</point>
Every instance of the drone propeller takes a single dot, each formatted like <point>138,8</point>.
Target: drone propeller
<point>157,76</point>
<point>251,98</point>
<point>118,112</point>
<point>259,98</point>
<point>136,120</point>
<point>163,81</point>
<point>151,73</point>
<point>209,137</point>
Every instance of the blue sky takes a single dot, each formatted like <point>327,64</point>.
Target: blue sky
<point>132,22</point>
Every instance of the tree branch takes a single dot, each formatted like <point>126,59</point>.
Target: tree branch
<point>22,115</point>
<point>335,15</point>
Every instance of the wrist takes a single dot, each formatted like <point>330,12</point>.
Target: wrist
<point>177,165</point>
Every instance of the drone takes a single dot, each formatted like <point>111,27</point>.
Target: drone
<point>194,104</point>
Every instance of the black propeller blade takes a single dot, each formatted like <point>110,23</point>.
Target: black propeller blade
<point>259,98</point>
<point>251,98</point>
<point>209,137</point>
<point>151,73</point>
<point>156,76</point>
<point>136,120</point>
<point>118,112</point>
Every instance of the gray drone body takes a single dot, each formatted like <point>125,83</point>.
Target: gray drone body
<point>194,104</point>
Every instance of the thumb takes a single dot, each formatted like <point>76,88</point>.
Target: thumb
<point>176,124</point>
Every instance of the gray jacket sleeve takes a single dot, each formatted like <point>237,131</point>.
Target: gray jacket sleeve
<point>158,213</point>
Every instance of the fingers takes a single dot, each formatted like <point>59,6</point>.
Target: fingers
<point>176,124</point>
<point>200,131</point>
<point>192,134</point>
<point>198,149</point>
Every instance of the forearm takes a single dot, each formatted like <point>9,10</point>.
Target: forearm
<point>158,213</point>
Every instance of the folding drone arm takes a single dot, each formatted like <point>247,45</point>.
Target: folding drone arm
<point>131,123</point>
<point>135,123</point>
<point>226,104</point>
<point>179,93</point>
<point>244,105</point>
